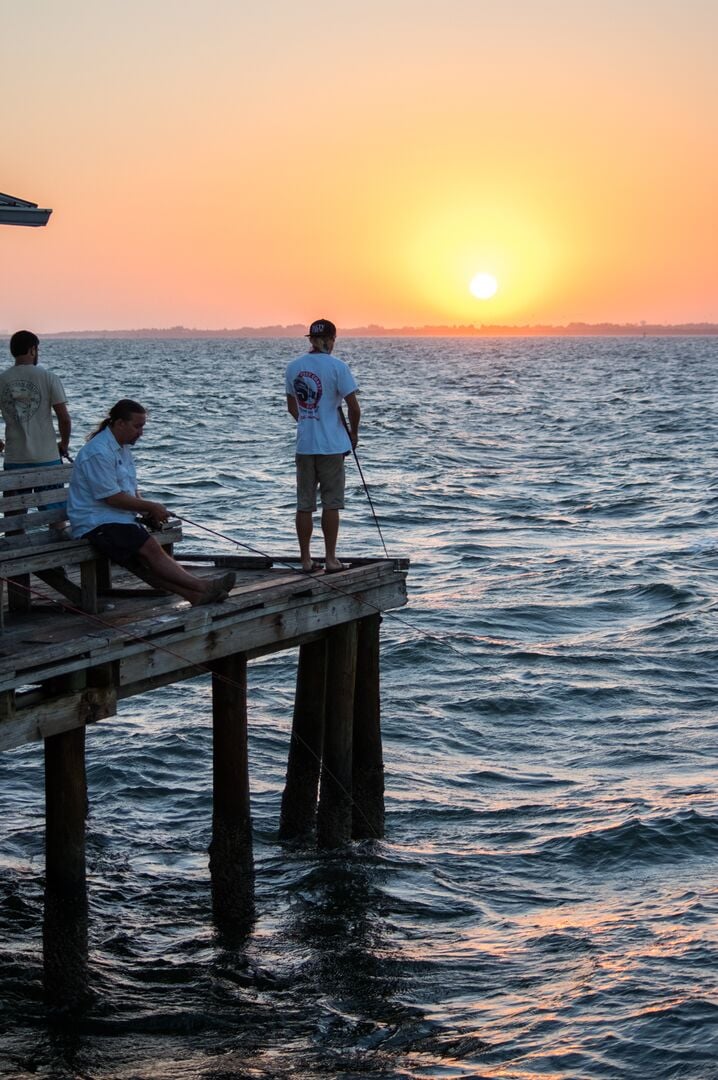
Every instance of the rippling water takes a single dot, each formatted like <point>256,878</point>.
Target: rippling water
<point>545,901</point>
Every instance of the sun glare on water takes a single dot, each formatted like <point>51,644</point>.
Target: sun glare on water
<point>483,286</point>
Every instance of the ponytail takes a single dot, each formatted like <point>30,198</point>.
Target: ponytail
<point>123,410</point>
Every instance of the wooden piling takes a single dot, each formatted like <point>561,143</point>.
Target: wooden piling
<point>65,922</point>
<point>299,801</point>
<point>18,593</point>
<point>230,852</point>
<point>367,758</point>
<point>65,813</point>
<point>334,816</point>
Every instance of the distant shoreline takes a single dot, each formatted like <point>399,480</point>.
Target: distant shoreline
<point>469,331</point>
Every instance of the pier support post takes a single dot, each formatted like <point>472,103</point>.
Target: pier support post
<point>18,595</point>
<point>65,923</point>
<point>334,817</point>
<point>368,762</point>
<point>230,852</point>
<point>299,801</point>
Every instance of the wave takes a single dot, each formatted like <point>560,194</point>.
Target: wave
<point>687,834</point>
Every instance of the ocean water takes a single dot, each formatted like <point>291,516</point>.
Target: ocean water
<point>545,902</point>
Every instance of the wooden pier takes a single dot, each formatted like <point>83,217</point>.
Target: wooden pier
<point>63,670</point>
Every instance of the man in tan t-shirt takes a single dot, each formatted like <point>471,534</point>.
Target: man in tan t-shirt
<point>28,395</point>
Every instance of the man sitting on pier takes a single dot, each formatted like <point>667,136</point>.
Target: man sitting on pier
<point>103,504</point>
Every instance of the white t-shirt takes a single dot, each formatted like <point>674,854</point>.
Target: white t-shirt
<point>101,468</point>
<point>27,394</point>
<point>319,382</point>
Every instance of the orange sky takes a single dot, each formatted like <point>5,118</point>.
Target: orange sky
<point>214,167</point>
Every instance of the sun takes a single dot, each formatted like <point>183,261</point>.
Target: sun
<point>483,286</point>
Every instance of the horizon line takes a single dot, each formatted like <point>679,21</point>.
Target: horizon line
<point>572,329</point>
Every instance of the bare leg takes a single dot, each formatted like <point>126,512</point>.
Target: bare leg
<point>168,573</point>
<point>305,526</point>
<point>330,528</point>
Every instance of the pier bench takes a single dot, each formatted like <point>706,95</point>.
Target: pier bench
<point>28,546</point>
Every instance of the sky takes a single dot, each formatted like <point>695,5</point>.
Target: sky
<point>223,163</point>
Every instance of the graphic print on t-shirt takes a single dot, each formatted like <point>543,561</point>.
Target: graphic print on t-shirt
<point>308,390</point>
<point>21,400</point>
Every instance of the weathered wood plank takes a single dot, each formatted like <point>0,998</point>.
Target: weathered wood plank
<point>128,634</point>
<point>16,479</point>
<point>229,562</point>
<point>141,654</point>
<point>27,558</point>
<point>58,580</point>
<point>33,543</point>
<point>196,671</point>
<point>154,682</point>
<point>57,715</point>
<point>262,630</point>
<point>34,498</point>
<point>87,599</point>
<point>152,668</point>
<point>35,521</point>
<point>352,561</point>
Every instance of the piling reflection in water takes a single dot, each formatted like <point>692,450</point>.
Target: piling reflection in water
<point>337,923</point>
<point>64,939</point>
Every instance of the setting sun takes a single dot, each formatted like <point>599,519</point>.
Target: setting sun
<point>483,286</point>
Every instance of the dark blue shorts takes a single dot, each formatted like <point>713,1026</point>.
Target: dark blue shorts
<point>118,541</point>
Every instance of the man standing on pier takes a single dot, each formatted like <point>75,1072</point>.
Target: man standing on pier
<point>316,385</point>
<point>29,394</point>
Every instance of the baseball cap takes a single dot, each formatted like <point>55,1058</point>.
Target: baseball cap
<point>322,328</point>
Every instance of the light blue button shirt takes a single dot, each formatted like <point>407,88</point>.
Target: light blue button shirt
<point>102,468</point>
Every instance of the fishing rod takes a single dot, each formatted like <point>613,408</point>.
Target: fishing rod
<point>366,489</point>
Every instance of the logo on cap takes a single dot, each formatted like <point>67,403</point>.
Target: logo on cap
<point>322,328</point>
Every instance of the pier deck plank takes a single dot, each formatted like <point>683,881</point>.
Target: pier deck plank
<point>152,640</point>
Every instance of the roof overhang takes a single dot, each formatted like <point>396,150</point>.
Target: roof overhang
<point>21,212</point>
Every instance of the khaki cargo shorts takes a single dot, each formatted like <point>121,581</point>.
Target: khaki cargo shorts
<point>323,471</point>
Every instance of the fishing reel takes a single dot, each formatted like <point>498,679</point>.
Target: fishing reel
<point>171,525</point>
